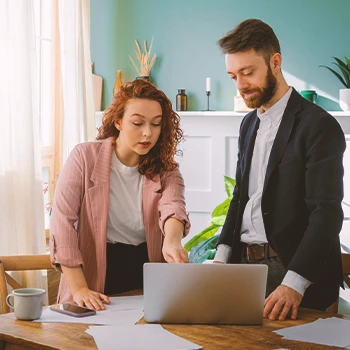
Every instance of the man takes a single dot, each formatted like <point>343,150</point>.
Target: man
<point>286,207</point>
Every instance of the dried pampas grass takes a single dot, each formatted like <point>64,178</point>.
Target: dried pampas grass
<point>144,59</point>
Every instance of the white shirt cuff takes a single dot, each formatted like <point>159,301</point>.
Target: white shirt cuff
<point>223,253</point>
<point>295,281</point>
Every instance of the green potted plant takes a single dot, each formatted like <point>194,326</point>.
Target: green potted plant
<point>203,245</point>
<point>344,78</point>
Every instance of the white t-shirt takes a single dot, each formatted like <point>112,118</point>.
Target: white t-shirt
<point>125,217</point>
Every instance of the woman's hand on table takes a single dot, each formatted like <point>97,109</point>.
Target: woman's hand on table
<point>82,295</point>
<point>90,299</point>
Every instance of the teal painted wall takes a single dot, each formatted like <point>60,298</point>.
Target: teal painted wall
<point>185,40</point>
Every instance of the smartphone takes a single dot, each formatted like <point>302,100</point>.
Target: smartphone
<point>71,309</point>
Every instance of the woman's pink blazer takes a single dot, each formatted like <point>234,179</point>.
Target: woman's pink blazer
<point>80,213</point>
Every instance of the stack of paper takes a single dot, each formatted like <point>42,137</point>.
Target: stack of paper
<point>330,331</point>
<point>121,332</point>
<point>138,337</point>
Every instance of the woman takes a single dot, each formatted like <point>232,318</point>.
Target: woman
<point>119,202</point>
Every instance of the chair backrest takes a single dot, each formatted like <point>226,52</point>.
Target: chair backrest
<point>345,257</point>
<point>18,263</point>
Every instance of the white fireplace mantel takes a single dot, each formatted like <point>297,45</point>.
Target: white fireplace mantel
<point>337,114</point>
<point>236,114</point>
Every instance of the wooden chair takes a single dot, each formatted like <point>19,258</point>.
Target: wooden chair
<point>18,263</point>
<point>346,274</point>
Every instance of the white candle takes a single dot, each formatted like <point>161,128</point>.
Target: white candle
<point>208,84</point>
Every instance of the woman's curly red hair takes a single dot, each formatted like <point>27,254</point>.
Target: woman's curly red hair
<point>161,157</point>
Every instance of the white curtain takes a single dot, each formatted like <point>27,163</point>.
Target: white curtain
<point>21,191</point>
<point>78,98</point>
<point>22,228</point>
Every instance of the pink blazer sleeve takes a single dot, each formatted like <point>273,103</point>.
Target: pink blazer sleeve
<point>172,203</point>
<point>68,198</point>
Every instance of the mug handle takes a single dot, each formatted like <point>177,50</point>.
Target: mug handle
<point>8,301</point>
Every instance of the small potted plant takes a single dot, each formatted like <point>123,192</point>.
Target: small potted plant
<point>145,61</point>
<point>344,78</point>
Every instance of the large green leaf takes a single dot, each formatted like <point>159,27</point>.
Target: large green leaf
<point>337,75</point>
<point>218,220</point>
<point>208,232</point>
<point>229,186</point>
<point>347,62</point>
<point>345,71</point>
<point>340,62</point>
<point>204,251</point>
<point>222,208</point>
<point>198,257</point>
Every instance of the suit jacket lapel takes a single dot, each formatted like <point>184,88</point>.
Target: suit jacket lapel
<point>283,134</point>
<point>248,145</point>
<point>102,169</point>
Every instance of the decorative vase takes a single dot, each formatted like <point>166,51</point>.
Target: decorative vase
<point>118,82</point>
<point>344,99</point>
<point>144,77</point>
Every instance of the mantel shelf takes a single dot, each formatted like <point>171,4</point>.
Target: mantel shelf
<point>229,114</point>
<point>239,114</point>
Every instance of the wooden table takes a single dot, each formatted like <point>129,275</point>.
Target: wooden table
<point>16,335</point>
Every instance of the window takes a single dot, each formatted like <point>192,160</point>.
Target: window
<point>49,94</point>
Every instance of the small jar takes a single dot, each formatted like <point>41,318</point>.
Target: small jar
<point>181,100</point>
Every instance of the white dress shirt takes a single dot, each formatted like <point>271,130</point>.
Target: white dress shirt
<point>253,229</point>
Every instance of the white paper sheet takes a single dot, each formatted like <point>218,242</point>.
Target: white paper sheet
<point>121,311</point>
<point>138,337</point>
<point>330,331</point>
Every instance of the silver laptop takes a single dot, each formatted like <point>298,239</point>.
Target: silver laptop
<point>204,293</point>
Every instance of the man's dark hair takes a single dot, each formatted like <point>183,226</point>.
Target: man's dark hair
<point>251,34</point>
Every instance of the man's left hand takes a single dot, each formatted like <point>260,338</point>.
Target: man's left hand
<point>282,300</point>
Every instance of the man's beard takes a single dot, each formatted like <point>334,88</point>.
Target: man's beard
<point>262,95</point>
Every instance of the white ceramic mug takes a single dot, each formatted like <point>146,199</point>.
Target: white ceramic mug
<point>27,303</point>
